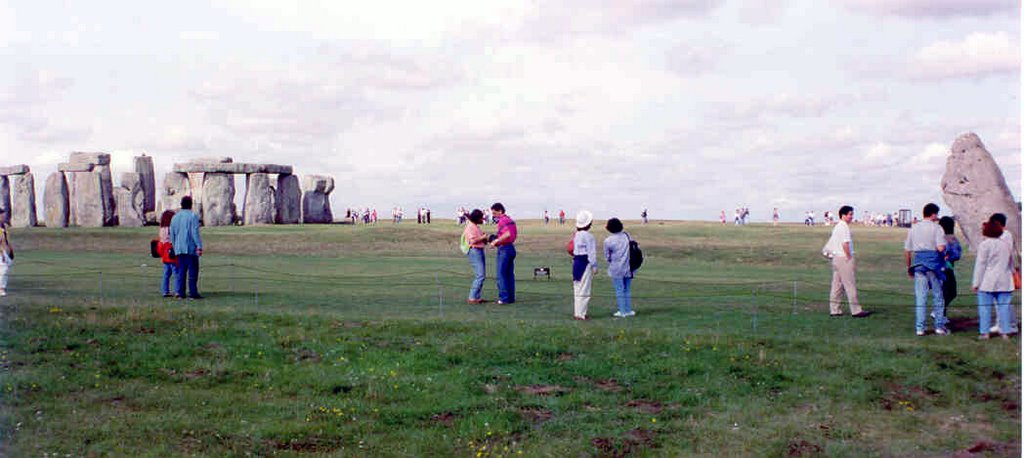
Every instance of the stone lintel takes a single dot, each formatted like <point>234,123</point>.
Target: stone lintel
<point>238,167</point>
<point>19,169</point>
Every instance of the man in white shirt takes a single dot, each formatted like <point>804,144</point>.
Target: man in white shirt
<point>844,266</point>
<point>923,251</point>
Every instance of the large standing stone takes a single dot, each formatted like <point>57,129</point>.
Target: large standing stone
<point>288,200</point>
<point>86,196</point>
<point>24,201</point>
<point>974,188</point>
<point>55,200</point>
<point>144,167</point>
<point>259,199</point>
<point>90,158</point>
<point>176,186</point>
<point>316,199</point>
<point>5,199</point>
<point>218,199</point>
<point>130,199</point>
<point>107,195</point>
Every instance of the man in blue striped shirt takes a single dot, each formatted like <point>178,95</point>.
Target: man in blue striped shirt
<point>188,247</point>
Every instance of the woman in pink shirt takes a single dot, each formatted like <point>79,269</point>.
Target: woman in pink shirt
<point>476,238</point>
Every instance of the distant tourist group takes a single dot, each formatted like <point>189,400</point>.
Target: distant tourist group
<point>618,253</point>
<point>931,251</point>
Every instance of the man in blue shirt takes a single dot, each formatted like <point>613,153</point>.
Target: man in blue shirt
<point>188,247</point>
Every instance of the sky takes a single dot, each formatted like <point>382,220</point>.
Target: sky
<point>685,107</point>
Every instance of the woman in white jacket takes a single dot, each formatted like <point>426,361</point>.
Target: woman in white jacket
<point>993,281</point>
<point>6,253</point>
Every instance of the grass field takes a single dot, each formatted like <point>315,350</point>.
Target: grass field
<point>357,341</point>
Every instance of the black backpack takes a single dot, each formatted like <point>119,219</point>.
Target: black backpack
<point>636,257</point>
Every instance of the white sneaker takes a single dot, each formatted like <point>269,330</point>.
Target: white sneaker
<point>920,333</point>
<point>3,292</point>
<point>617,315</point>
<point>631,313</point>
<point>994,329</point>
<point>941,331</point>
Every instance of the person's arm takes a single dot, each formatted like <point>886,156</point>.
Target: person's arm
<point>195,236</point>
<point>592,253</point>
<point>908,256</point>
<point>846,250</point>
<point>979,268</point>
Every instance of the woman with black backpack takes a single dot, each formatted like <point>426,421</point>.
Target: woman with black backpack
<point>616,252</point>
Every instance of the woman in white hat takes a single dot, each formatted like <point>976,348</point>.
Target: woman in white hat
<point>584,263</point>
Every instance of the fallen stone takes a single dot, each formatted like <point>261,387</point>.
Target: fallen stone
<point>974,188</point>
<point>288,200</point>
<point>55,200</point>
<point>218,199</point>
<point>14,170</point>
<point>24,201</point>
<point>194,167</point>
<point>87,202</point>
<point>259,200</point>
<point>316,199</point>
<point>175,186</point>
<point>144,167</point>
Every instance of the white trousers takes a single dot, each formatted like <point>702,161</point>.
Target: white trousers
<point>581,293</point>
<point>3,274</point>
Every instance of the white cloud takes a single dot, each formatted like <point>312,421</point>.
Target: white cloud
<point>932,8</point>
<point>978,54</point>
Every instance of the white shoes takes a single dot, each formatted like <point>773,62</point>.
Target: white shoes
<point>3,292</point>
<point>623,315</point>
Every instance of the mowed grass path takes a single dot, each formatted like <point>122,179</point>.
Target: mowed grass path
<point>356,341</point>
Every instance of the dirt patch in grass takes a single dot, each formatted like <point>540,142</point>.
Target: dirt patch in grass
<point>563,357</point>
<point>803,448</point>
<point>960,324</point>
<point>632,441</point>
<point>646,406</point>
<point>903,397</point>
<point>610,385</point>
<point>196,373</point>
<point>310,444</point>
<point>306,355</point>
<point>444,418</point>
<point>490,388</point>
<point>990,448</point>
<point>542,390</point>
<point>535,415</point>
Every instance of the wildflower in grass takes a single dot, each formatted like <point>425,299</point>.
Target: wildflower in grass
<point>654,420</point>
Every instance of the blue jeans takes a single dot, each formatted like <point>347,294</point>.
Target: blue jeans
<point>507,273</point>
<point>165,286</point>
<point>188,266</point>
<point>623,290</point>
<point>922,283</point>
<point>479,263</point>
<point>986,299</point>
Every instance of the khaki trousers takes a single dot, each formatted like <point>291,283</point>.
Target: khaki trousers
<point>581,293</point>
<point>844,278</point>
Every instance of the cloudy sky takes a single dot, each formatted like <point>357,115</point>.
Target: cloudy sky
<point>686,107</point>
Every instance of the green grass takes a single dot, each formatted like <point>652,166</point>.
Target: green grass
<point>356,340</point>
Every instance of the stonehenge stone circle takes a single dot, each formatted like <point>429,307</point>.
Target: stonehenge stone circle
<point>218,198</point>
<point>24,201</point>
<point>288,200</point>
<point>5,199</point>
<point>974,188</point>
<point>144,167</point>
<point>55,200</point>
<point>316,199</point>
<point>259,200</point>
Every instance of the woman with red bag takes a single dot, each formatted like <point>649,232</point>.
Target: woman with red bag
<point>164,248</point>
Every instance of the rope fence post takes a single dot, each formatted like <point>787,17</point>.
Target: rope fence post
<point>794,297</point>
<point>101,288</point>
<point>753,307</point>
